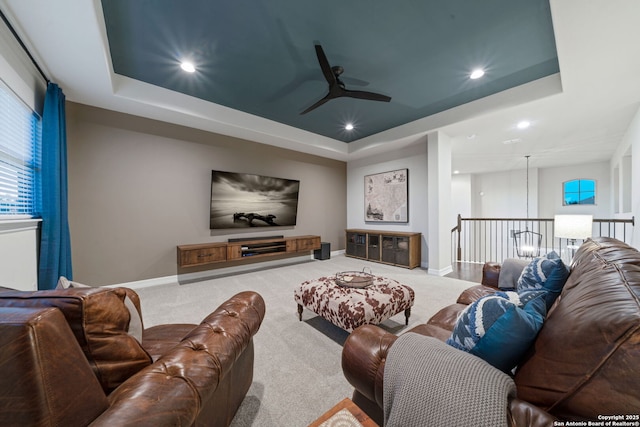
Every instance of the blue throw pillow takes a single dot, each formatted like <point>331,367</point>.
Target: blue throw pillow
<point>546,273</point>
<point>499,328</point>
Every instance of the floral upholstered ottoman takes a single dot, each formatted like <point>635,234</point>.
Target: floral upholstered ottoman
<point>348,307</point>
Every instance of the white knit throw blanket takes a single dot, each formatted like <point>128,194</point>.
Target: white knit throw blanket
<point>429,383</point>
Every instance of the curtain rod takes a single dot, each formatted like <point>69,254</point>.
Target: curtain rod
<point>19,40</point>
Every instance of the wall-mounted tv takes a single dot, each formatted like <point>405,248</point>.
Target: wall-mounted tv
<point>241,200</point>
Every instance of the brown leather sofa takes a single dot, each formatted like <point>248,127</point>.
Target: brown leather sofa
<point>70,357</point>
<point>584,363</point>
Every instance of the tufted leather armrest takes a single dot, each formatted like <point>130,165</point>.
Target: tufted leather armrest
<point>490,273</point>
<point>363,358</point>
<point>474,293</point>
<point>176,388</point>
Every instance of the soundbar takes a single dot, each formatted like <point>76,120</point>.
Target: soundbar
<point>245,239</point>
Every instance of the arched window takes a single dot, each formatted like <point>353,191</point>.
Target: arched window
<point>579,192</point>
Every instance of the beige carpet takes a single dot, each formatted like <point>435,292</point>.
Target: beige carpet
<point>298,373</point>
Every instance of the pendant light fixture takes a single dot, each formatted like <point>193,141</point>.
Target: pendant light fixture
<point>527,243</point>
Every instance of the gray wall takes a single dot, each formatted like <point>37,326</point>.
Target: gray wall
<point>627,156</point>
<point>503,194</point>
<point>139,187</point>
<point>551,190</point>
<point>413,158</point>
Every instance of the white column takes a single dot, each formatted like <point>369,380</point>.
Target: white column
<point>439,203</point>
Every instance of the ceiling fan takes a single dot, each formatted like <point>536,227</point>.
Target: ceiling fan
<point>337,88</point>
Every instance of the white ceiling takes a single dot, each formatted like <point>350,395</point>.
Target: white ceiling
<point>579,116</point>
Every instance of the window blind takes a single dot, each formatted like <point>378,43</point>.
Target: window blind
<point>20,135</point>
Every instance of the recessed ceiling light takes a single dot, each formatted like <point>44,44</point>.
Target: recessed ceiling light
<point>187,66</point>
<point>476,74</point>
<point>456,172</point>
<point>523,124</point>
<point>349,126</point>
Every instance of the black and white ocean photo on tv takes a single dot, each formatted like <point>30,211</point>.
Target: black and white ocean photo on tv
<point>241,200</point>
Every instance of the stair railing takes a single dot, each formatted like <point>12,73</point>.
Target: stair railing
<point>478,240</point>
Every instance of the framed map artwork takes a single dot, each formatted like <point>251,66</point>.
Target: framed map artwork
<point>386,196</point>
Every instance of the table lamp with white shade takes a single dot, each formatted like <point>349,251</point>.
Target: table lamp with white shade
<point>573,227</point>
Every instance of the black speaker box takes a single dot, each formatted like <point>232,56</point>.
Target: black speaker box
<point>324,252</point>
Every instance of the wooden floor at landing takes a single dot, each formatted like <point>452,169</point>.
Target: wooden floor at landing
<point>466,271</point>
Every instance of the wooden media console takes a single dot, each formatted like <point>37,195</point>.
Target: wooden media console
<point>236,251</point>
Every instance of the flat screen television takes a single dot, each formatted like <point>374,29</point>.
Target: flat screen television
<point>242,200</point>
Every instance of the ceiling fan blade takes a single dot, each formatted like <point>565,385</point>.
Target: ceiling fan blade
<point>317,104</point>
<point>336,86</point>
<point>366,95</point>
<point>325,66</point>
<point>354,81</point>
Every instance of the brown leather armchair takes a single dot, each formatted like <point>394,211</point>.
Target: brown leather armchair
<point>69,357</point>
<point>584,363</point>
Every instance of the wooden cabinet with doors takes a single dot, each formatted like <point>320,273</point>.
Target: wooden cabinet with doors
<point>389,247</point>
<point>356,243</point>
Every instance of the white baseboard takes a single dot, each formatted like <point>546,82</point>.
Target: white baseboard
<point>212,274</point>
<point>146,283</point>
<point>441,272</point>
